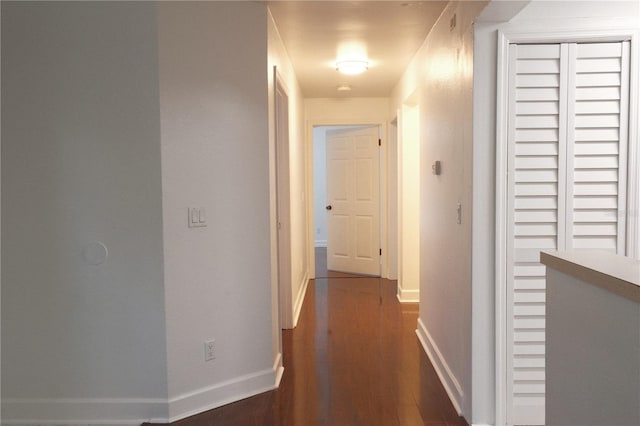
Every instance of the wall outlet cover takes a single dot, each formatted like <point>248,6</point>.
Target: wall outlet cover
<point>209,350</point>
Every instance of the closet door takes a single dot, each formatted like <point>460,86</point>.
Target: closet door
<point>537,165</point>
<point>597,150</point>
<point>567,182</point>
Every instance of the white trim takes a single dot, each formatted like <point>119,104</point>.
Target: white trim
<point>572,36</point>
<point>310,199</point>
<point>408,296</point>
<point>283,202</point>
<point>623,169</point>
<point>233,390</point>
<point>321,243</point>
<point>278,368</point>
<point>134,411</point>
<point>633,226</point>
<point>297,307</point>
<point>448,380</point>
<point>501,228</point>
<point>633,170</point>
<point>86,411</point>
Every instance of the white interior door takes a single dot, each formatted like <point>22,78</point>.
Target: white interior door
<point>353,201</point>
<point>567,144</point>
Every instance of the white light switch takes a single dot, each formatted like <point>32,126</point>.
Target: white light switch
<point>197,217</point>
<point>436,168</point>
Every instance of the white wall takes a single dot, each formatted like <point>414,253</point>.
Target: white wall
<point>538,17</point>
<point>320,185</point>
<point>215,154</point>
<point>278,57</point>
<point>442,74</point>
<point>81,165</point>
<point>345,111</point>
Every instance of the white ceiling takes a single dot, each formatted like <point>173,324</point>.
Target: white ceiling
<point>314,32</point>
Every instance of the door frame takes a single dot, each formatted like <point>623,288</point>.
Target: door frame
<point>393,203</point>
<point>283,202</point>
<point>409,200</point>
<point>502,414</point>
<point>309,126</point>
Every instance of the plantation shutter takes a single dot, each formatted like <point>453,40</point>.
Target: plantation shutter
<point>567,182</point>
<point>537,162</point>
<point>597,153</point>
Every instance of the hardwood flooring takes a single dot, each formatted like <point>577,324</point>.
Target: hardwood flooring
<point>353,360</point>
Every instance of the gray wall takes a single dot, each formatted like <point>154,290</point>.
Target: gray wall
<point>81,165</point>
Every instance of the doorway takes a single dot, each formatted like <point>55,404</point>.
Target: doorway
<point>347,201</point>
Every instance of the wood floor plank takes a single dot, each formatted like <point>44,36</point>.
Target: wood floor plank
<point>353,360</point>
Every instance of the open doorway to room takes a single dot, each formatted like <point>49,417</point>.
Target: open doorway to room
<point>347,200</point>
<point>408,167</point>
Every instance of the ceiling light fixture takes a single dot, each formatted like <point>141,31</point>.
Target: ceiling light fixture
<point>352,67</point>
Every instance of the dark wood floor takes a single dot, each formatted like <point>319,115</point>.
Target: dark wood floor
<point>354,359</point>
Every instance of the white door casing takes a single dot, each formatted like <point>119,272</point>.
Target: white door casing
<point>353,194</point>
<point>283,205</point>
<point>566,187</point>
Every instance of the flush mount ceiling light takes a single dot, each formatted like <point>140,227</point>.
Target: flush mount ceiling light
<point>352,67</point>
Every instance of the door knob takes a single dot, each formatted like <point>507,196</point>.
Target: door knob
<point>328,207</point>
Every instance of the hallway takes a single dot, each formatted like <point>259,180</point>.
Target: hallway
<point>354,359</point>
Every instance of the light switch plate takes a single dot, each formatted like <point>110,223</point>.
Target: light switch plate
<point>197,217</point>
<point>436,168</point>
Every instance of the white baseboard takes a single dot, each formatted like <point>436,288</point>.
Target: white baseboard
<point>408,296</point>
<point>321,243</point>
<point>133,412</point>
<point>448,380</point>
<point>297,307</point>
<point>224,393</point>
<point>83,411</point>
<point>278,368</point>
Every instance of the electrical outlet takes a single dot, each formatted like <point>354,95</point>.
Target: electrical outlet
<point>209,350</point>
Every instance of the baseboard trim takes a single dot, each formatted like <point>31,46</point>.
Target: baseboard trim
<point>233,390</point>
<point>135,411</point>
<point>320,243</point>
<point>278,368</point>
<point>448,380</point>
<point>83,411</point>
<point>408,296</point>
<point>297,308</point>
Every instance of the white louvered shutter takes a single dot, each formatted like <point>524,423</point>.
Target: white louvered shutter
<point>537,158</point>
<point>597,149</point>
<point>567,182</point>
